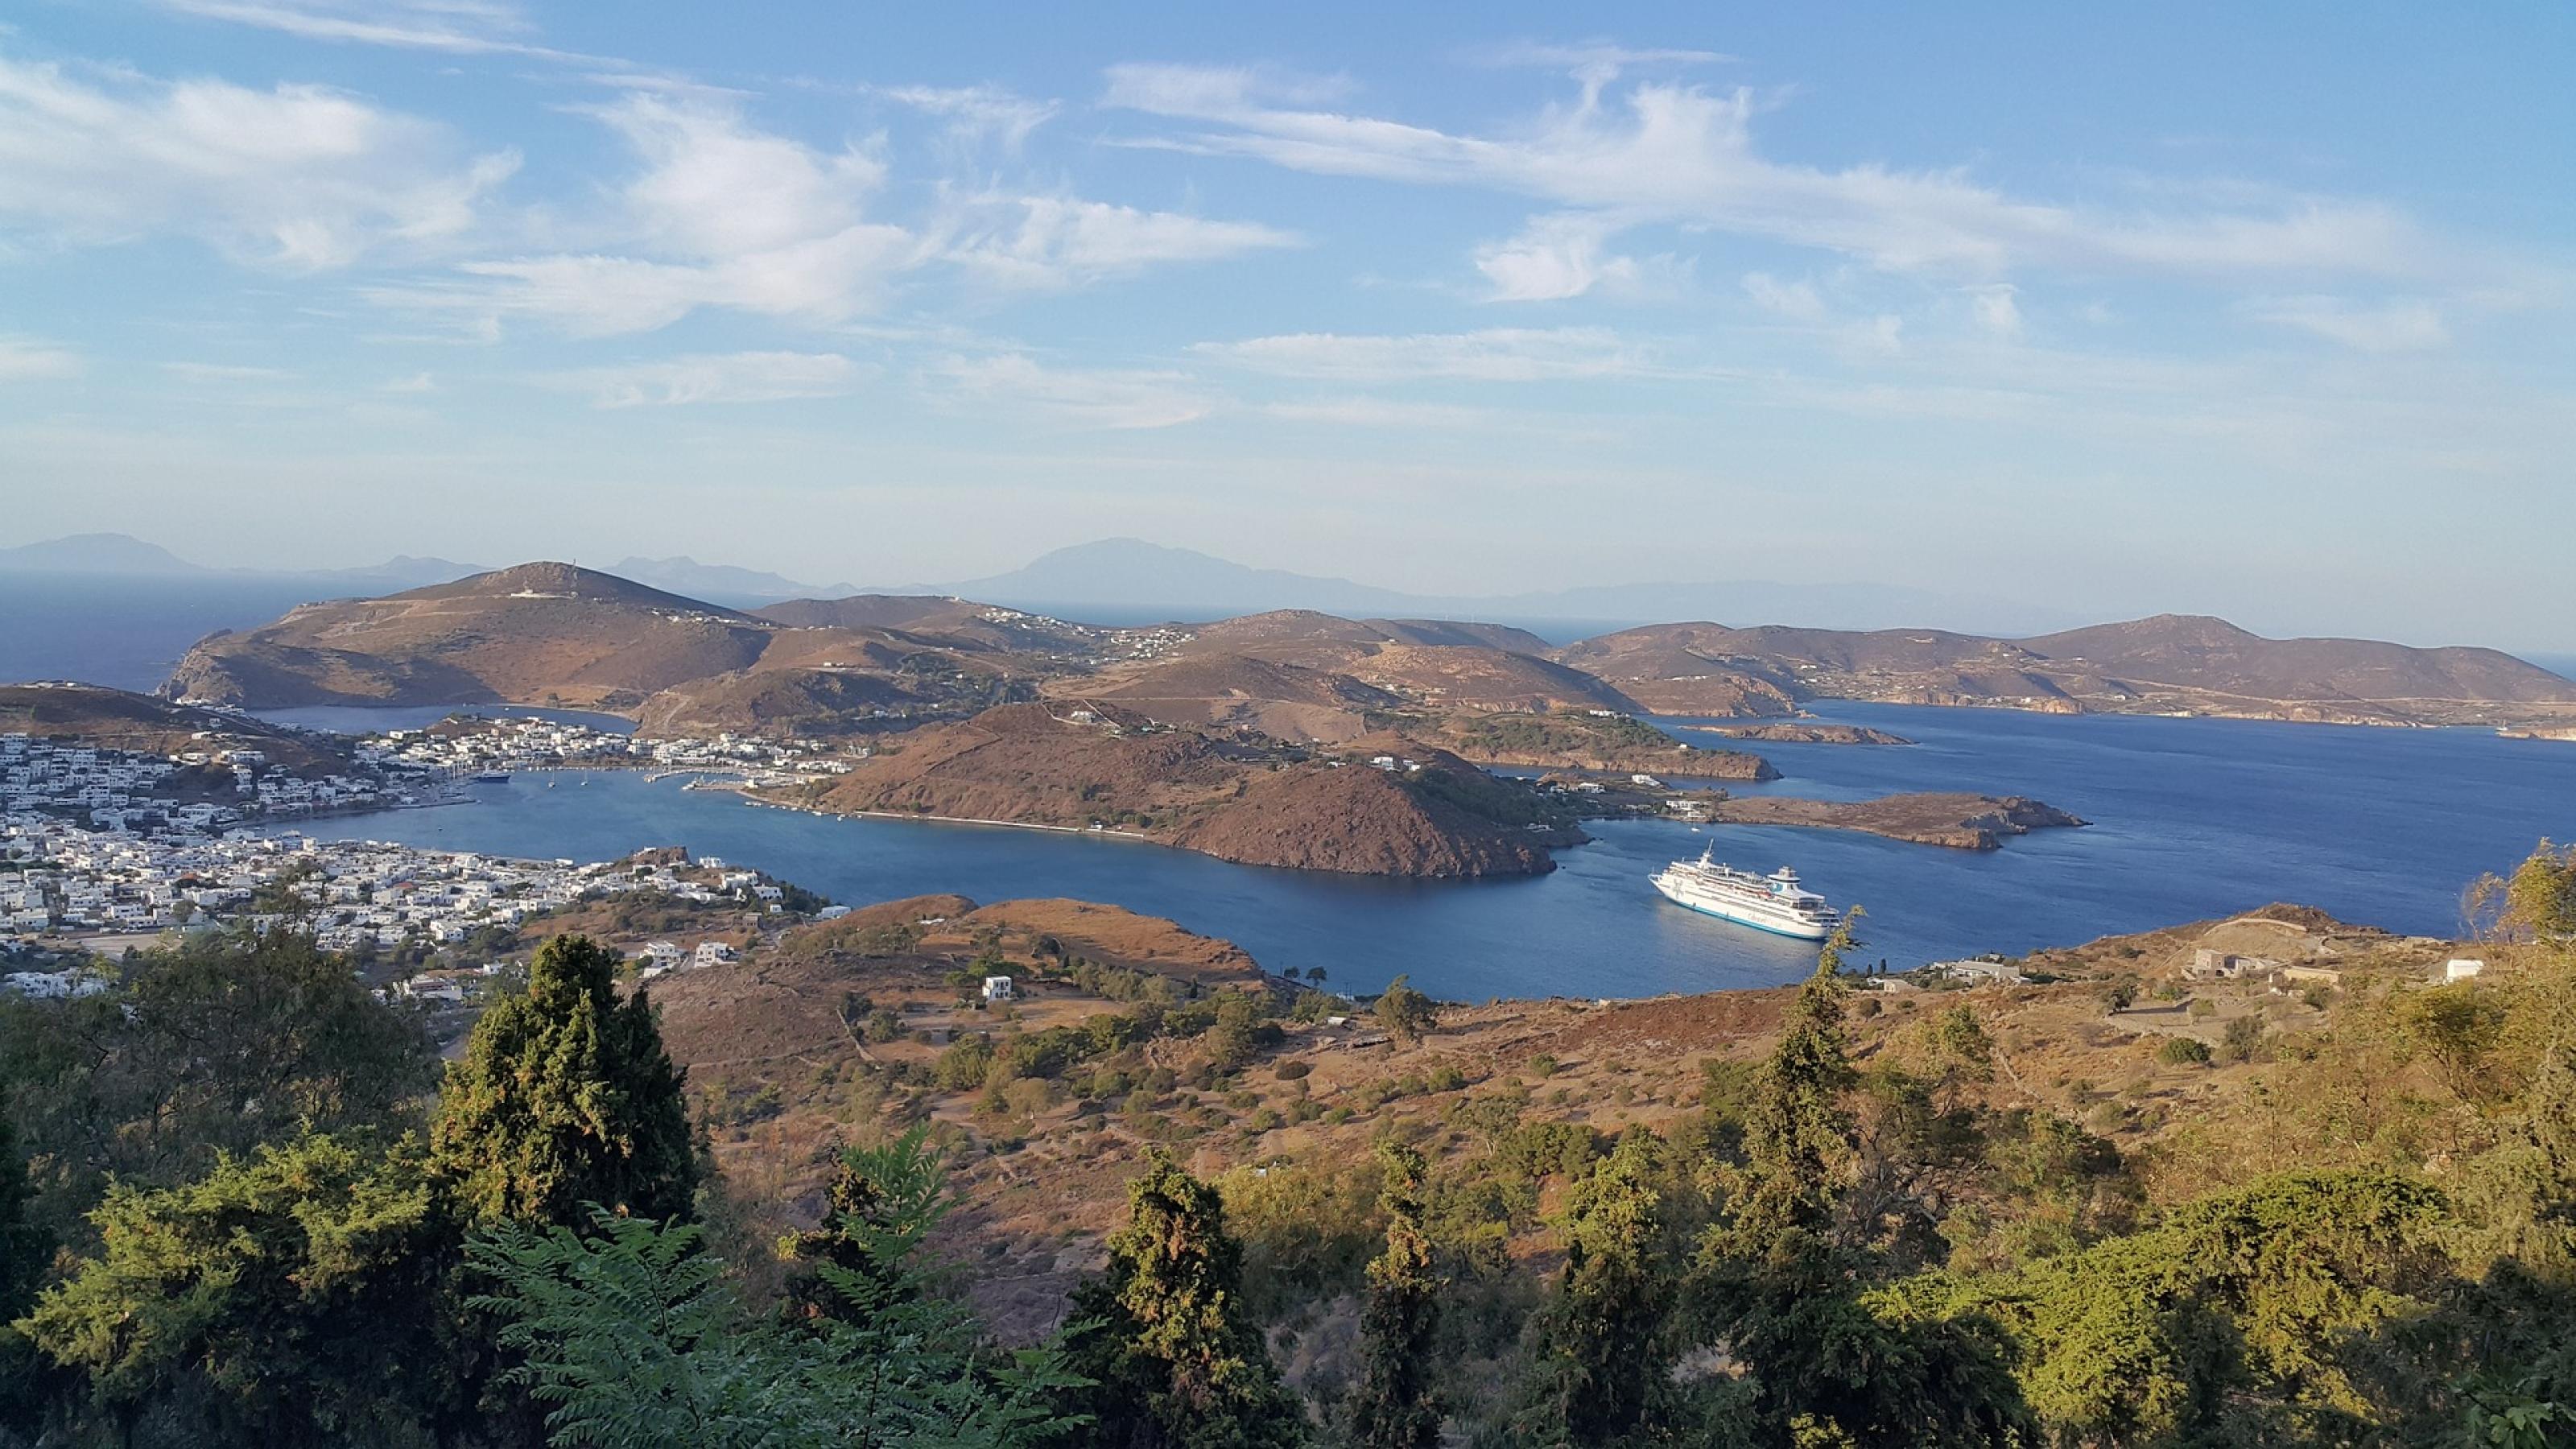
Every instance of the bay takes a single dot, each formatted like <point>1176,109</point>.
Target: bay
<point>2193,819</point>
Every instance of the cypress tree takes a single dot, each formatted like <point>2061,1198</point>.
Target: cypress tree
<point>1595,1347</point>
<point>566,1096</point>
<point>1395,1405</point>
<point>1176,1361</point>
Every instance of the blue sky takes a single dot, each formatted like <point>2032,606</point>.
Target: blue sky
<point>2256,310</point>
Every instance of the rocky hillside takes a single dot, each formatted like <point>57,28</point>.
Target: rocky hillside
<point>2167,664</point>
<point>1025,764</point>
<point>1960,821</point>
<point>113,719</point>
<point>554,634</point>
<point>1415,659</point>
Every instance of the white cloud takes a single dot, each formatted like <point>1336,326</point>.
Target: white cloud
<point>299,176</point>
<point>24,359</point>
<point>1089,398</point>
<point>1995,309</point>
<point>714,186</point>
<point>719,214</point>
<point>457,27</point>
<point>1043,241</point>
<point>977,113</point>
<point>1554,257</point>
<point>739,377</point>
<point>1501,354</point>
<point>1796,300</point>
<point>217,372</point>
<point>418,382</point>
<point>1660,152</point>
<point>2395,327</point>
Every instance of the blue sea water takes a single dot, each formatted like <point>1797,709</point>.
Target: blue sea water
<point>124,632</point>
<point>2193,819</point>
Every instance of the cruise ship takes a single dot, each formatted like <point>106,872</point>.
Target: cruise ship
<point>1774,902</point>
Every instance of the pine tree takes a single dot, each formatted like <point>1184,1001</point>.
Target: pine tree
<point>1177,1362</point>
<point>1395,1405</point>
<point>565,1097</point>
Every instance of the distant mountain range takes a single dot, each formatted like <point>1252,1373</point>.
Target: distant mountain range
<point>723,583</point>
<point>1127,580</point>
<point>119,555</point>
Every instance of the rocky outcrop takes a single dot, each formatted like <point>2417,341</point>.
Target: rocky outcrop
<point>1803,733</point>
<point>1959,821</point>
<point>1363,822</point>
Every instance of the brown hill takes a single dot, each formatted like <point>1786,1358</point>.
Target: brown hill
<point>1026,764</point>
<point>1390,655</point>
<point>1284,701</point>
<point>863,611</point>
<point>1961,821</point>
<point>113,719</point>
<point>794,702</point>
<point>2167,664</point>
<point>1453,632</point>
<point>2190,652</point>
<point>543,633</point>
<point>1360,821</point>
<point>554,634</point>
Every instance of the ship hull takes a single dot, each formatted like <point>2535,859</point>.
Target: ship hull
<point>1793,931</point>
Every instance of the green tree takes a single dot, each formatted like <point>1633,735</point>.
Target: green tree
<point>631,1336</point>
<point>286,1297</point>
<point>1177,1361</point>
<point>1596,1345</point>
<point>23,1254</point>
<point>215,1044</point>
<point>879,1206</point>
<point>1396,1405</point>
<point>566,1098</point>
<point>1405,1013</point>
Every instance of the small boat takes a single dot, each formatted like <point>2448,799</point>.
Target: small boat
<point>493,777</point>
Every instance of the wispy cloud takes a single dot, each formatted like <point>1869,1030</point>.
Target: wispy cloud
<point>1080,397</point>
<point>1500,354</point>
<point>24,359</point>
<point>976,114</point>
<point>1046,241</point>
<point>454,27</point>
<point>740,377</point>
<point>2410,326</point>
<point>1670,153</point>
<point>298,176</point>
<point>218,372</point>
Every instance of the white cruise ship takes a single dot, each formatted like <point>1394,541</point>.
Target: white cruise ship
<point>1774,903</point>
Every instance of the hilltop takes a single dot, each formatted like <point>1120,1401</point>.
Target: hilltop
<point>2168,664</point>
<point>1250,802</point>
<point>114,719</point>
<point>554,634</point>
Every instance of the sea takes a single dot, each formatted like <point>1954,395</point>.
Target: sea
<point>2191,819</point>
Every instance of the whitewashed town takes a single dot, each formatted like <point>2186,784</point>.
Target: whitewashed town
<point>100,847</point>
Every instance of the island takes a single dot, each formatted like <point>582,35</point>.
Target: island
<point>1803,732</point>
<point>1959,821</point>
<point>1244,797</point>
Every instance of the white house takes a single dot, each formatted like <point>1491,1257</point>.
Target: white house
<point>2461,968</point>
<point>999,988</point>
<point>714,953</point>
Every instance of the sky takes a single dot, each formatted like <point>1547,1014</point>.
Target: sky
<point>2253,310</point>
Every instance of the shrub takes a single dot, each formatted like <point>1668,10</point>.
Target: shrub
<point>2184,1051</point>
